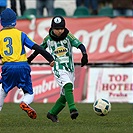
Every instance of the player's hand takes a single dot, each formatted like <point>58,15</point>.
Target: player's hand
<point>84,60</point>
<point>52,63</point>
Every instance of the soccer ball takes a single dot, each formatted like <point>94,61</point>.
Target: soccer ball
<point>102,107</point>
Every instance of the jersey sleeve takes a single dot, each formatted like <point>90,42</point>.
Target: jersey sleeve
<point>74,41</point>
<point>27,41</point>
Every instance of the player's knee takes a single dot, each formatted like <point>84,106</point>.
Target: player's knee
<point>68,86</point>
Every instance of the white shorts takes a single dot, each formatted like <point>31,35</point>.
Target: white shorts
<point>63,78</point>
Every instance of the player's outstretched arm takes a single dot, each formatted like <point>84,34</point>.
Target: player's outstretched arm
<point>32,56</point>
<point>43,52</point>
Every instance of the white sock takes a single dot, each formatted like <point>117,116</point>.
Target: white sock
<point>2,97</point>
<point>28,98</point>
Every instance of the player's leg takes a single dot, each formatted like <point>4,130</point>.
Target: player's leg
<point>59,105</point>
<point>24,105</point>
<point>70,100</point>
<point>25,83</point>
<point>65,80</point>
<point>28,98</point>
<point>7,83</point>
<point>2,97</point>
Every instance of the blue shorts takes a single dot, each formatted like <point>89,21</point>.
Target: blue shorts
<point>16,74</point>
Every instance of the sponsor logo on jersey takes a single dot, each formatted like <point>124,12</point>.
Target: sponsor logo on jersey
<point>60,51</point>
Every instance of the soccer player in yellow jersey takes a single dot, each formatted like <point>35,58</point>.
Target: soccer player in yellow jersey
<point>15,69</point>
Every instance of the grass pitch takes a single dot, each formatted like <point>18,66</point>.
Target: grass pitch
<point>119,120</point>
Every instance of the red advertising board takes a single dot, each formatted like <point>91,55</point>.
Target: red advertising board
<point>45,87</point>
<point>106,39</point>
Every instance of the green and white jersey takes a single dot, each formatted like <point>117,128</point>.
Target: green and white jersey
<point>62,51</point>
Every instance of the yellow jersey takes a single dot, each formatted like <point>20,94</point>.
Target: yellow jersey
<point>12,45</point>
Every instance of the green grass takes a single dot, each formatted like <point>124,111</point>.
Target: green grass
<point>119,120</point>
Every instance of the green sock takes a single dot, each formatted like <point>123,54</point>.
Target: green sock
<point>69,96</point>
<point>59,105</point>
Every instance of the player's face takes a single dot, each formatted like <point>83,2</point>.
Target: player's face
<point>58,32</point>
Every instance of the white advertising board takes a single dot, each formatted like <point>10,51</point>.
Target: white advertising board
<point>114,84</point>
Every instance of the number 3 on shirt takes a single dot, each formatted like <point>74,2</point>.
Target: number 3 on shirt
<point>9,46</point>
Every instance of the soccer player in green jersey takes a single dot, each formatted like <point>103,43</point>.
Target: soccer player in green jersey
<point>15,69</point>
<point>60,42</point>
